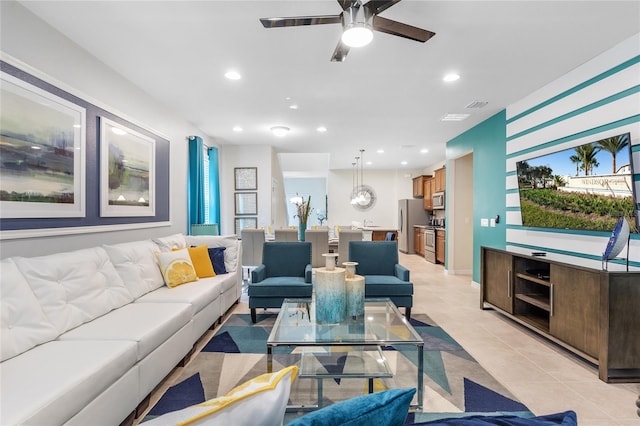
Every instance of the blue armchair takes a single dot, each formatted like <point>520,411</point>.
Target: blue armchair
<point>383,275</point>
<point>285,272</point>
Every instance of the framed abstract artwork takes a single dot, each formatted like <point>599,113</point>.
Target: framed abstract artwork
<point>245,222</point>
<point>127,171</point>
<point>246,203</point>
<point>246,178</point>
<point>42,145</point>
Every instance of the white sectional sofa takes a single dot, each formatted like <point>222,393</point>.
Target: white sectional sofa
<point>87,335</point>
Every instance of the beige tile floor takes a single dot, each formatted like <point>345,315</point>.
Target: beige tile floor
<point>543,376</point>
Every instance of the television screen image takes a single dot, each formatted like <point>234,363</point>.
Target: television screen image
<point>587,187</point>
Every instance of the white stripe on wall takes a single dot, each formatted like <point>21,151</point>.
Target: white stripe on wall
<point>605,114</point>
<point>618,54</point>
<point>615,83</point>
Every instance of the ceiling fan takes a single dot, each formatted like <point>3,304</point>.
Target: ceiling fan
<point>359,17</point>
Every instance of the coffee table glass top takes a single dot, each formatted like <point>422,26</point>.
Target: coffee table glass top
<point>382,324</point>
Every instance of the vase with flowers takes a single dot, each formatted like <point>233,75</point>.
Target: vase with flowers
<point>303,208</point>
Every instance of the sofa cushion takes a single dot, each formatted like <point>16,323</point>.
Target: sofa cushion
<point>389,408</point>
<point>137,266</point>
<point>50,383</point>
<point>74,287</point>
<point>216,254</point>
<point>176,267</point>
<point>260,401</point>
<point>171,242</point>
<point>23,323</point>
<point>201,261</point>
<point>291,287</point>
<point>228,241</point>
<point>198,294</point>
<point>147,324</point>
<point>566,418</point>
<point>386,286</point>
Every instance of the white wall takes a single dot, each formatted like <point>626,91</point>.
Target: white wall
<point>49,55</point>
<point>389,185</point>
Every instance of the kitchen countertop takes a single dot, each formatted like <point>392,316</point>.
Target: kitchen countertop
<point>437,228</point>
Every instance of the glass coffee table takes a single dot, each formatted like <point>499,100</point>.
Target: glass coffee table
<point>382,325</point>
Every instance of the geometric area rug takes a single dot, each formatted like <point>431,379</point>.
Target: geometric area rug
<point>455,385</point>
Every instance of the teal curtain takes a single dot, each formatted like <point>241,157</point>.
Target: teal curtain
<point>196,196</point>
<point>214,187</point>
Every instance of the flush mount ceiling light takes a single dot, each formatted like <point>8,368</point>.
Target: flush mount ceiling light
<point>233,75</point>
<point>321,129</point>
<point>451,77</point>
<point>280,130</point>
<point>237,128</point>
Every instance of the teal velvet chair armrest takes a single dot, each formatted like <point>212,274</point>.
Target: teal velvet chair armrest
<point>308,273</point>
<point>259,274</point>
<point>402,272</point>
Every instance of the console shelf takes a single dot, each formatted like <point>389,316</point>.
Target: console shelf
<point>590,312</point>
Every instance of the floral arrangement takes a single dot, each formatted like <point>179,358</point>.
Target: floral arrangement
<point>303,209</point>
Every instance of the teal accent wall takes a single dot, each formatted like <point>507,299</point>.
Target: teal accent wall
<point>487,141</point>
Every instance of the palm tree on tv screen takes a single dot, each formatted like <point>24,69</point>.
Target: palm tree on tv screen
<point>587,154</point>
<point>613,146</point>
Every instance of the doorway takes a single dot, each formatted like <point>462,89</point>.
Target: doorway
<point>460,212</point>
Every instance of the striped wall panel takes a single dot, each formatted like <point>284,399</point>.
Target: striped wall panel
<point>599,99</point>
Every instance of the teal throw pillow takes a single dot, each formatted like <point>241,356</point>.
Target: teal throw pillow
<point>386,408</point>
<point>216,254</point>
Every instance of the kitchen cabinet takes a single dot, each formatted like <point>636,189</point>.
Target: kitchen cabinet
<point>590,312</point>
<point>418,240</point>
<point>440,177</point>
<point>440,245</point>
<point>418,186</point>
<point>429,187</point>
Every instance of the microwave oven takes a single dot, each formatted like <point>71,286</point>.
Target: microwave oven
<point>438,201</point>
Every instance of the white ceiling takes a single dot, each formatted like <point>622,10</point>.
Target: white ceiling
<point>388,95</point>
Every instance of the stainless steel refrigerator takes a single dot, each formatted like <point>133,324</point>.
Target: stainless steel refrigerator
<point>410,212</point>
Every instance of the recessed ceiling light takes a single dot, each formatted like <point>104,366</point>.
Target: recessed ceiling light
<point>455,117</point>
<point>280,130</point>
<point>380,151</point>
<point>233,75</point>
<point>424,151</point>
<point>321,129</point>
<point>404,163</point>
<point>237,128</point>
<point>451,77</point>
<point>293,106</point>
<point>368,163</point>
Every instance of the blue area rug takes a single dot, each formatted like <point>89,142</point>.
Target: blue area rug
<point>455,384</point>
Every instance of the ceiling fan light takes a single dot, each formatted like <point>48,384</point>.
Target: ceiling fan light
<point>357,35</point>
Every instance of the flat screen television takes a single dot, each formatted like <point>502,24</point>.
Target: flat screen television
<point>587,187</point>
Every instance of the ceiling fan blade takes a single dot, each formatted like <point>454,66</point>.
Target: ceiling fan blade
<point>300,20</point>
<point>399,29</point>
<point>378,6</point>
<point>340,54</point>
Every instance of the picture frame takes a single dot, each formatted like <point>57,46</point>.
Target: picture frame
<point>244,223</point>
<point>127,171</point>
<point>43,148</point>
<point>246,203</point>
<point>246,178</point>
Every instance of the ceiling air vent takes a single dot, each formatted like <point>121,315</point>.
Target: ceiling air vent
<point>477,104</point>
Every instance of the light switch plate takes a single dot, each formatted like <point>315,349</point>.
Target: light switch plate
<point>492,222</point>
<point>484,222</point>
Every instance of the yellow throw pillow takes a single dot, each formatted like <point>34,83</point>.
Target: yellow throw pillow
<point>176,267</point>
<point>201,261</point>
<point>260,401</point>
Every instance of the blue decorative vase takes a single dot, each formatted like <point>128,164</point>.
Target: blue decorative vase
<point>331,298</point>
<point>302,227</point>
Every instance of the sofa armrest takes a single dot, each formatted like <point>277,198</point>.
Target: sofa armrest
<point>308,273</point>
<point>259,274</point>
<point>402,272</point>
